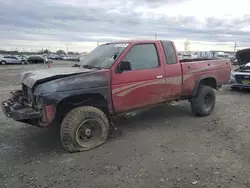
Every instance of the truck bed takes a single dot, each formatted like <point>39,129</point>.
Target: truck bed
<point>194,70</point>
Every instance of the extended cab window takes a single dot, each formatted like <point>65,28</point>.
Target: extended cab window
<point>170,53</point>
<point>143,56</point>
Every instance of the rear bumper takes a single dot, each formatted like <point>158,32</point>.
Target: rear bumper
<point>18,111</point>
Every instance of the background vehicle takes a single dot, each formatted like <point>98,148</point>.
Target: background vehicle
<point>10,59</point>
<point>115,78</point>
<point>234,61</point>
<point>240,77</point>
<point>38,59</point>
<point>23,57</point>
<point>55,57</point>
<point>71,58</point>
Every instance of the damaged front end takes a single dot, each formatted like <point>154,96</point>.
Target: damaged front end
<point>23,107</point>
<point>240,77</point>
<point>26,105</point>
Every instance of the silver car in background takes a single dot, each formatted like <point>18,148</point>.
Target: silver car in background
<point>10,59</point>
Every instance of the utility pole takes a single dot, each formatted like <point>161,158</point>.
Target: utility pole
<point>155,36</point>
<point>186,46</point>
<point>235,46</point>
<point>67,48</point>
<point>97,43</point>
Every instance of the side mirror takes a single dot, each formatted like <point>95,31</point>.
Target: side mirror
<point>124,66</point>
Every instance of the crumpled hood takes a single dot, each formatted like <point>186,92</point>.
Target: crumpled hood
<point>31,77</point>
<point>243,56</point>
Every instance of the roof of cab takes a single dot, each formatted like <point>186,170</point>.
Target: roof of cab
<point>135,41</point>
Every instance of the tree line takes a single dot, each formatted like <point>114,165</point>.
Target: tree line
<point>46,51</point>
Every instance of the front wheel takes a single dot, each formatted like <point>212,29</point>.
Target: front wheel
<point>3,62</point>
<point>204,102</point>
<point>84,128</point>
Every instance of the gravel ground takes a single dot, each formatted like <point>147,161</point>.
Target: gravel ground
<point>162,147</point>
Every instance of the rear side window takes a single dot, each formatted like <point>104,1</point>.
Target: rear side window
<point>143,56</point>
<point>169,52</point>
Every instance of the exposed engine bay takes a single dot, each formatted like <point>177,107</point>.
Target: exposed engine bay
<point>240,77</point>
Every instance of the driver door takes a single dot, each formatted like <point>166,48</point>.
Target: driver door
<point>143,85</point>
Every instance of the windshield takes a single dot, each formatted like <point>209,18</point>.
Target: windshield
<point>104,55</point>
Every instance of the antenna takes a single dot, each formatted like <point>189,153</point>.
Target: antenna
<point>155,36</point>
<point>235,46</point>
<point>186,46</point>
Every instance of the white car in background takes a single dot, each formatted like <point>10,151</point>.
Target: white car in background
<point>10,59</point>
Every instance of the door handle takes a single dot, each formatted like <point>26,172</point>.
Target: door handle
<point>159,76</point>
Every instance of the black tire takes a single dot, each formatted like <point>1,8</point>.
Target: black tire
<point>199,104</point>
<point>3,62</point>
<point>71,137</point>
<point>234,89</point>
<point>23,62</point>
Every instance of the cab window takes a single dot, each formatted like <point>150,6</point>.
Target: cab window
<point>143,56</point>
<point>169,51</point>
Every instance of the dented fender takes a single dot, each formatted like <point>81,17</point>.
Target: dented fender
<point>56,97</point>
<point>52,92</point>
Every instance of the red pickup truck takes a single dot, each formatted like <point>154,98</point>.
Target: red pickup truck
<point>113,79</point>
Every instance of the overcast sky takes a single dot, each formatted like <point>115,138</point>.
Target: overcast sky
<point>54,24</point>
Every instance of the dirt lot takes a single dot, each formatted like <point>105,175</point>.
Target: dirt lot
<point>163,147</point>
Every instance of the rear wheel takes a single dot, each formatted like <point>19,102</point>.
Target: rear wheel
<point>3,62</point>
<point>84,128</point>
<point>204,102</point>
<point>23,62</point>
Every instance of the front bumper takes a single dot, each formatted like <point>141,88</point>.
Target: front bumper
<point>18,111</point>
<point>241,86</point>
<point>237,83</point>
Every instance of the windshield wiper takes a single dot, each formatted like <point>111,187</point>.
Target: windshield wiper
<point>91,67</point>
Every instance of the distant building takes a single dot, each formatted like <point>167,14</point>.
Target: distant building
<point>223,54</point>
<point>207,54</point>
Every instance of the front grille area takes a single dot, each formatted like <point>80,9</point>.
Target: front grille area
<point>240,78</point>
<point>27,93</point>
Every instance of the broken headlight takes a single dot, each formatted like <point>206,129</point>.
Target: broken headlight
<point>232,78</point>
<point>38,105</point>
